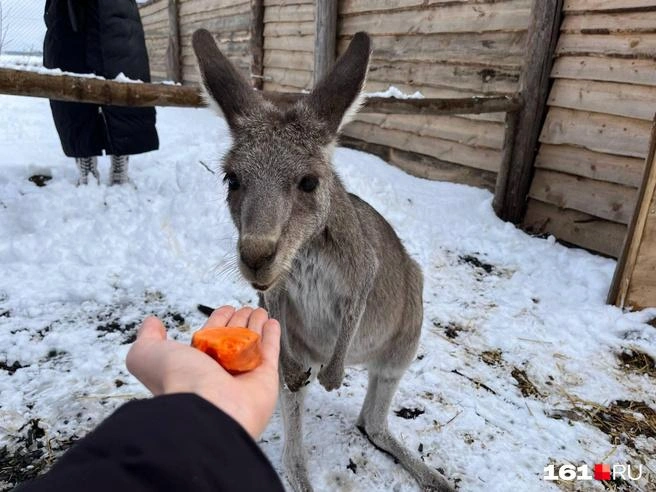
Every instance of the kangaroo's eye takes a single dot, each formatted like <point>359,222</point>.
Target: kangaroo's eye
<point>309,183</point>
<point>232,180</point>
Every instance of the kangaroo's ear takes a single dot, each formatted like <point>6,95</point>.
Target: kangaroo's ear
<point>223,83</point>
<point>338,96</point>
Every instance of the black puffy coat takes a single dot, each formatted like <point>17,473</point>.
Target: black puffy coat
<point>103,37</point>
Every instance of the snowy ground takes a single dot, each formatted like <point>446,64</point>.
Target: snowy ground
<point>81,267</point>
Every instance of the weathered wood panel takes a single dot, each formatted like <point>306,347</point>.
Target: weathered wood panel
<point>633,101</point>
<point>609,201</point>
<point>634,282</point>
<point>572,6</point>
<point>228,21</point>
<point>445,150</point>
<point>636,45</point>
<point>575,227</point>
<point>593,165</point>
<point>626,71</point>
<point>504,16</point>
<point>593,23</point>
<point>597,132</point>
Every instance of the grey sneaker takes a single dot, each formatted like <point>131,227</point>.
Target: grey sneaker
<point>86,166</point>
<point>118,173</point>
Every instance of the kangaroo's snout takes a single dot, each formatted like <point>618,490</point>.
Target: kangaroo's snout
<point>256,252</point>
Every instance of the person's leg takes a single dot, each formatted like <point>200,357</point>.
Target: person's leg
<point>86,166</point>
<point>118,173</point>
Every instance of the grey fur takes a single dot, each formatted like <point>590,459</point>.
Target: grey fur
<point>329,267</point>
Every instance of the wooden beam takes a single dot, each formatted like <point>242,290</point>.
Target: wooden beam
<point>98,91</point>
<point>644,217</point>
<point>501,184</point>
<point>543,33</point>
<point>173,51</point>
<point>109,92</point>
<point>325,38</point>
<point>257,43</point>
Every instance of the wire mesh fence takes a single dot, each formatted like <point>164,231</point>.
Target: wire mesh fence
<point>22,29</point>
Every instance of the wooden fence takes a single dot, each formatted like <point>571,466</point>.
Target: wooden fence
<point>592,145</point>
<point>596,136</point>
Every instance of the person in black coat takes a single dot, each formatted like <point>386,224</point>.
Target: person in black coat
<point>105,38</point>
<point>197,435</point>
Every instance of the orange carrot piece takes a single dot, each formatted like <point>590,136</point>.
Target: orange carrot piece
<point>236,349</point>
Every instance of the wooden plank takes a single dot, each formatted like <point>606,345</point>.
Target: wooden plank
<point>290,43</point>
<point>423,166</point>
<point>636,45</point>
<point>173,50</point>
<point>640,240</point>
<point>427,167</point>
<point>193,11</point>
<point>574,227</point>
<point>301,79</point>
<point>598,132</point>
<point>592,23</point>
<point>450,18</point>
<point>273,29</point>
<point>273,3</point>
<point>595,165</point>
<point>609,201</point>
<point>240,22</point>
<point>325,39</point>
<point>297,60</point>
<point>501,184</point>
<point>351,7</point>
<point>454,128</point>
<point>257,42</point>
<point>633,101</point>
<point>289,13</point>
<point>534,87</point>
<point>627,71</point>
<point>572,6</point>
<point>504,50</point>
<point>480,158</point>
<point>373,86</point>
<point>480,79</point>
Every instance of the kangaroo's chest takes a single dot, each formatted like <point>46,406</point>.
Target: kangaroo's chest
<point>316,287</point>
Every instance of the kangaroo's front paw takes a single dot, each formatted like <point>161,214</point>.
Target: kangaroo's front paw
<point>295,380</point>
<point>331,376</point>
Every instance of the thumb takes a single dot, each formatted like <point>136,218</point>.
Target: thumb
<point>151,329</point>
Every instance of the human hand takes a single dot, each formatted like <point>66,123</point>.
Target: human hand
<point>165,367</point>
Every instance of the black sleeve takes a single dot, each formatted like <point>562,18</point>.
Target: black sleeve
<point>168,443</point>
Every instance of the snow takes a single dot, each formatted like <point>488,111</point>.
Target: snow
<point>396,93</point>
<point>81,266</point>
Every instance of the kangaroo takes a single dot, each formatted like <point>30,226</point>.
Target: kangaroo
<point>324,262</point>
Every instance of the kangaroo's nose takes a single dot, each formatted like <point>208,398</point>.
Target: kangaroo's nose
<point>256,252</point>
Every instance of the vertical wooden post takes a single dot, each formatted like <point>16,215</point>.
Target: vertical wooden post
<point>638,257</point>
<point>543,33</point>
<point>173,50</point>
<point>501,185</point>
<point>257,43</point>
<point>325,40</point>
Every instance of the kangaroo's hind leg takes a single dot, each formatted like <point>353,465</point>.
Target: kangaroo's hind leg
<point>293,455</point>
<point>373,423</point>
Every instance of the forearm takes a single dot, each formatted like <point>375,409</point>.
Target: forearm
<point>173,442</point>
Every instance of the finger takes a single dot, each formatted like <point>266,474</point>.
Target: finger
<point>219,317</point>
<point>151,333</point>
<point>257,320</point>
<point>271,343</point>
<point>151,329</point>
<point>240,318</point>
